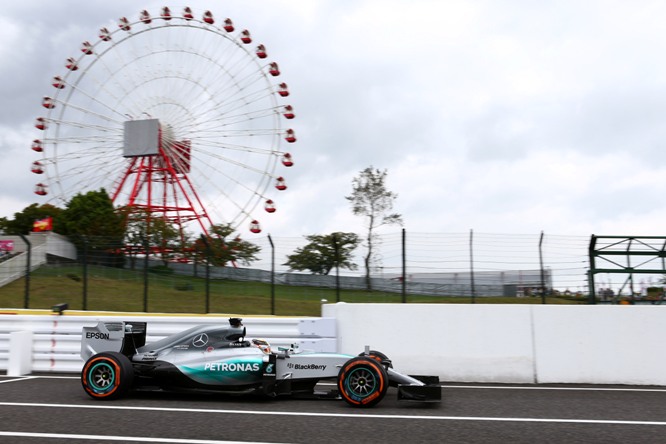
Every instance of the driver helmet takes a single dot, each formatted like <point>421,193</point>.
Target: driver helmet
<point>262,345</point>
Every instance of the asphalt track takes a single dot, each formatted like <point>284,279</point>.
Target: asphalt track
<point>54,409</point>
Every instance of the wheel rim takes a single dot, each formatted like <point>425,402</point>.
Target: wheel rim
<point>362,382</point>
<point>102,377</point>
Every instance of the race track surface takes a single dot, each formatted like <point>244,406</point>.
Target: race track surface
<point>54,409</point>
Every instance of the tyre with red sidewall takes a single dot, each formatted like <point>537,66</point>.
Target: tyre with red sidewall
<point>107,375</point>
<point>362,382</point>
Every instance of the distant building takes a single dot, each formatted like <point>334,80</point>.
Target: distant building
<point>486,283</point>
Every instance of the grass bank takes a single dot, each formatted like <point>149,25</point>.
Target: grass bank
<point>109,289</point>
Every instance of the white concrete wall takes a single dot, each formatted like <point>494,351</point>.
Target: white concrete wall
<point>511,343</point>
<point>601,344</point>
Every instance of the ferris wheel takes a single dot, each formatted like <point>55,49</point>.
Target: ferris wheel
<point>176,115</point>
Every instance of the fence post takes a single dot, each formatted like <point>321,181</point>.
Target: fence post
<point>543,284</point>
<point>26,296</point>
<point>591,250</point>
<point>146,251</point>
<point>404,268</point>
<point>336,248</point>
<point>272,275</point>
<point>85,272</point>
<point>207,278</point>
<point>471,265</point>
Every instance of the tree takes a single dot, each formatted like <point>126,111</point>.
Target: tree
<point>223,250</point>
<point>372,200</point>
<point>158,235</point>
<point>23,221</point>
<point>91,222</point>
<point>325,252</point>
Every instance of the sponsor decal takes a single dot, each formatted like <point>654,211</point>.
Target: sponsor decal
<point>269,371</point>
<point>96,335</point>
<point>181,347</point>
<point>307,366</point>
<point>200,340</point>
<point>149,358</point>
<point>232,366</point>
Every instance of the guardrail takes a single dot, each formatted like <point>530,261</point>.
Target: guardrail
<point>54,342</point>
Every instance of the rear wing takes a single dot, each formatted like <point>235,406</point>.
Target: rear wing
<point>123,337</point>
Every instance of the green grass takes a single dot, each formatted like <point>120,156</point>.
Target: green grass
<point>110,289</point>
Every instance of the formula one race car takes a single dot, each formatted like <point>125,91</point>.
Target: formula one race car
<point>214,358</point>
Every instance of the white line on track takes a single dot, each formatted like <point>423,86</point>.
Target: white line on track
<point>444,386</point>
<point>537,387</point>
<point>115,438</point>
<point>541,387</point>
<point>21,378</point>
<point>43,377</point>
<point>334,415</point>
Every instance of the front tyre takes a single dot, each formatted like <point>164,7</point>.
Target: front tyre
<point>380,357</point>
<point>107,375</point>
<point>362,382</point>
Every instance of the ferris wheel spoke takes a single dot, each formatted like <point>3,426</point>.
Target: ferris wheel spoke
<point>247,118</point>
<point>241,111</point>
<point>243,165</point>
<point>239,94</point>
<point>94,100</point>
<point>94,94</point>
<point>217,145</point>
<point>87,114</point>
<point>233,199</point>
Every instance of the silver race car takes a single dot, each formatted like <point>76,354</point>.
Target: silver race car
<point>221,359</point>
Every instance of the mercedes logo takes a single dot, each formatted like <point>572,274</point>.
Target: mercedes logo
<point>200,340</point>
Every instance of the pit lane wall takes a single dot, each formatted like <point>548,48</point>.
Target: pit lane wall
<point>457,342</point>
<point>595,344</point>
<point>52,343</point>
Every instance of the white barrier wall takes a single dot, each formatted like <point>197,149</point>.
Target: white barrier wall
<point>511,343</point>
<point>605,344</point>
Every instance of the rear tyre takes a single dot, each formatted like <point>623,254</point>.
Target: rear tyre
<point>107,375</point>
<point>362,382</point>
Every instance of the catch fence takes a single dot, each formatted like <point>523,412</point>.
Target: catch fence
<point>408,267</point>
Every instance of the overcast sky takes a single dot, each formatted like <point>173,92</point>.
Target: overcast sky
<point>497,116</point>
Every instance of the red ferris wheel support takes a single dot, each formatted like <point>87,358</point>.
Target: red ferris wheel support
<point>156,180</point>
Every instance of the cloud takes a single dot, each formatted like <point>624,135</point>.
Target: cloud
<point>502,116</point>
